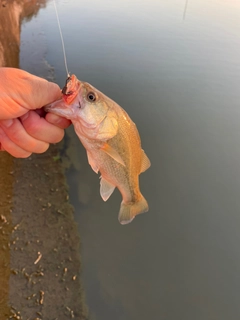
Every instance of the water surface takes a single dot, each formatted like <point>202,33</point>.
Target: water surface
<point>177,74</point>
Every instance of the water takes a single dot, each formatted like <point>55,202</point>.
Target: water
<point>177,74</point>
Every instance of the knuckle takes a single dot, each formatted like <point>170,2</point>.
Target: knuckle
<point>14,133</point>
<point>32,127</point>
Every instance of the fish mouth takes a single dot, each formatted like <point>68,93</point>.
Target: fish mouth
<point>69,85</point>
<point>65,106</point>
<point>71,89</point>
<point>59,108</point>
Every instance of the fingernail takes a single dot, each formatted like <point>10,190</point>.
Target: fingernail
<point>7,123</point>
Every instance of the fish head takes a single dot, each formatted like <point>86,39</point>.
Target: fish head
<point>96,113</point>
<point>87,107</point>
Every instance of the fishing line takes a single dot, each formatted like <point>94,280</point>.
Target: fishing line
<point>185,9</point>
<point>60,30</point>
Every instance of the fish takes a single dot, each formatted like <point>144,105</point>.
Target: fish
<point>111,140</point>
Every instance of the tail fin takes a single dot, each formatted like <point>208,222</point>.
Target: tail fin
<point>128,211</point>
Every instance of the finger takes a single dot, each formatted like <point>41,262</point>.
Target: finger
<point>61,122</point>
<point>41,129</point>
<point>16,132</point>
<point>9,146</point>
<point>58,121</point>
<point>1,147</point>
<point>30,92</point>
<point>46,91</point>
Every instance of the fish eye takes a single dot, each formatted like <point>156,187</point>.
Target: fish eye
<point>91,97</point>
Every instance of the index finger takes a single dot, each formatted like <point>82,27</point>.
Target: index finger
<point>58,121</point>
<point>21,91</point>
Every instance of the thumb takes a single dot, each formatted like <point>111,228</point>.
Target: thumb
<point>47,92</point>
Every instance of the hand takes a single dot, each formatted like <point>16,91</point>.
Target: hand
<point>24,127</point>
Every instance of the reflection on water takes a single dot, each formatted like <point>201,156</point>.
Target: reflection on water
<point>178,79</point>
<point>11,14</point>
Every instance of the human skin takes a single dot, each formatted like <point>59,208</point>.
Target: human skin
<point>24,127</point>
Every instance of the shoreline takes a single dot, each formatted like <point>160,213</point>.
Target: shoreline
<point>40,259</point>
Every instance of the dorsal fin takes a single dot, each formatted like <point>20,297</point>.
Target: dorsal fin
<point>145,164</point>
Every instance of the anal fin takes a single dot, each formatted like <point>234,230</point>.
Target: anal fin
<point>106,189</point>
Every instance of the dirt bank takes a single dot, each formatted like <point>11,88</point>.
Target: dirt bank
<point>40,261</point>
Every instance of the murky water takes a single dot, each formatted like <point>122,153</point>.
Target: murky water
<point>174,66</point>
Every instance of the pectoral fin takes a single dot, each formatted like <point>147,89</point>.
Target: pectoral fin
<point>92,163</point>
<point>145,164</point>
<point>106,189</point>
<point>112,153</point>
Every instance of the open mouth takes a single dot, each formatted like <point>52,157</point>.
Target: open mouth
<point>71,89</point>
<point>66,90</point>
